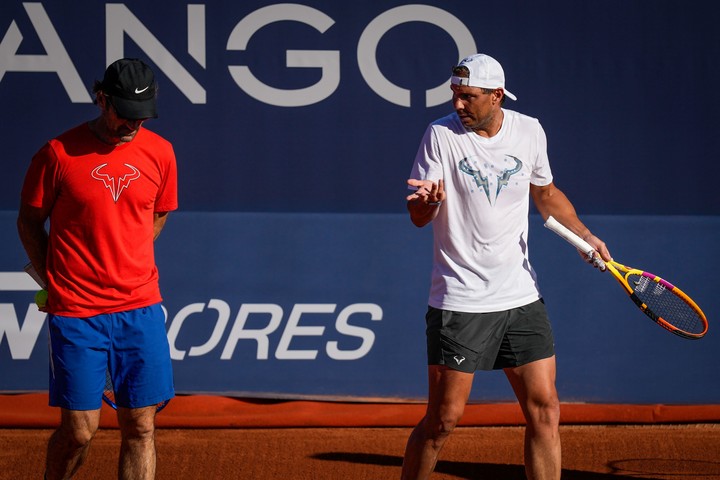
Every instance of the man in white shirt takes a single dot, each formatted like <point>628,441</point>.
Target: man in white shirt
<point>473,176</point>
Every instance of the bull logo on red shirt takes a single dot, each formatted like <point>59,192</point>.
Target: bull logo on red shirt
<point>116,186</point>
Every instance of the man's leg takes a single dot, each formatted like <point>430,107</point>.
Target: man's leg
<point>449,391</point>
<point>69,445</point>
<point>137,450</point>
<point>534,386</point>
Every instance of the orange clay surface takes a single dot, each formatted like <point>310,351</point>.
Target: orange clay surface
<point>208,437</point>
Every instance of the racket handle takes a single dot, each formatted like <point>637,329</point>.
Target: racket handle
<point>574,240</point>
<point>30,270</point>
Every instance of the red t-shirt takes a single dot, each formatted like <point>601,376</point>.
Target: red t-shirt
<point>102,199</point>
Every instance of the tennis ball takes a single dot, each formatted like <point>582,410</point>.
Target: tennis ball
<point>41,298</point>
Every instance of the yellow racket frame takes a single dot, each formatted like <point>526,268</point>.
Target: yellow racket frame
<point>616,268</point>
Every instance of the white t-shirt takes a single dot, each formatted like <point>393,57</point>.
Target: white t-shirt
<point>481,230</point>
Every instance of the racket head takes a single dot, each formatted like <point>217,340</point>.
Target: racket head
<point>108,395</point>
<point>663,302</point>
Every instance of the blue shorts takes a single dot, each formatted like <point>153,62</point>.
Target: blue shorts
<point>133,345</point>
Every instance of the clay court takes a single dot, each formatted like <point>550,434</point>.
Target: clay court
<point>204,437</point>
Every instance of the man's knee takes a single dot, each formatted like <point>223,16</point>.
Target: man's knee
<point>77,428</point>
<point>447,425</point>
<point>137,423</point>
<point>545,413</point>
<point>440,425</point>
<point>74,438</point>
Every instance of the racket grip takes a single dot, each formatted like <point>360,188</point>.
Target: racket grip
<point>574,240</point>
<point>30,270</point>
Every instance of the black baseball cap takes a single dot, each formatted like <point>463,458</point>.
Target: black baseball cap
<point>131,85</point>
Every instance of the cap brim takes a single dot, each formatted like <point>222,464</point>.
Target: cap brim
<point>134,109</point>
<point>509,95</point>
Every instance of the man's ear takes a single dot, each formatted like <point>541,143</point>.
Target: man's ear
<point>103,101</point>
<point>497,95</point>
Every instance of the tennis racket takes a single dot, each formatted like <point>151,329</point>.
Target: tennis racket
<point>30,270</point>
<point>40,295</point>
<point>663,302</point>
<point>109,394</point>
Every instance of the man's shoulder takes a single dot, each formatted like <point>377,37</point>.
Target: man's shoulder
<point>147,136</point>
<point>447,120</point>
<point>152,135</point>
<point>78,131</point>
<point>70,140</point>
<point>450,124</point>
<point>520,118</point>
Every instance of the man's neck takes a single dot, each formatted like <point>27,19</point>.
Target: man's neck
<point>493,126</point>
<point>99,129</point>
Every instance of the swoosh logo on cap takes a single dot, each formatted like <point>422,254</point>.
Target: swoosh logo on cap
<point>140,91</point>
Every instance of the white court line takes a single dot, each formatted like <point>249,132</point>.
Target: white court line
<point>17,281</point>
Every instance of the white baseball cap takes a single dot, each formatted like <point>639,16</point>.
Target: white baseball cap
<point>485,72</point>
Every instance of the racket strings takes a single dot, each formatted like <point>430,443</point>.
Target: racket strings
<point>664,303</point>
<point>109,393</point>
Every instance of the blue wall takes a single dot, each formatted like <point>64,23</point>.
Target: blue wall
<point>299,207</point>
<point>360,282</point>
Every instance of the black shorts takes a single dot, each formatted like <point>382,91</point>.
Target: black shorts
<point>489,341</point>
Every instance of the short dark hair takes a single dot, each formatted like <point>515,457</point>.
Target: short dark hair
<point>460,71</point>
<point>97,88</point>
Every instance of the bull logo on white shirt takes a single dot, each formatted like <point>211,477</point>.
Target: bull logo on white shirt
<point>116,186</point>
<point>482,181</point>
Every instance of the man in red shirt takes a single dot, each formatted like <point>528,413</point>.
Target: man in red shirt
<point>106,187</point>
